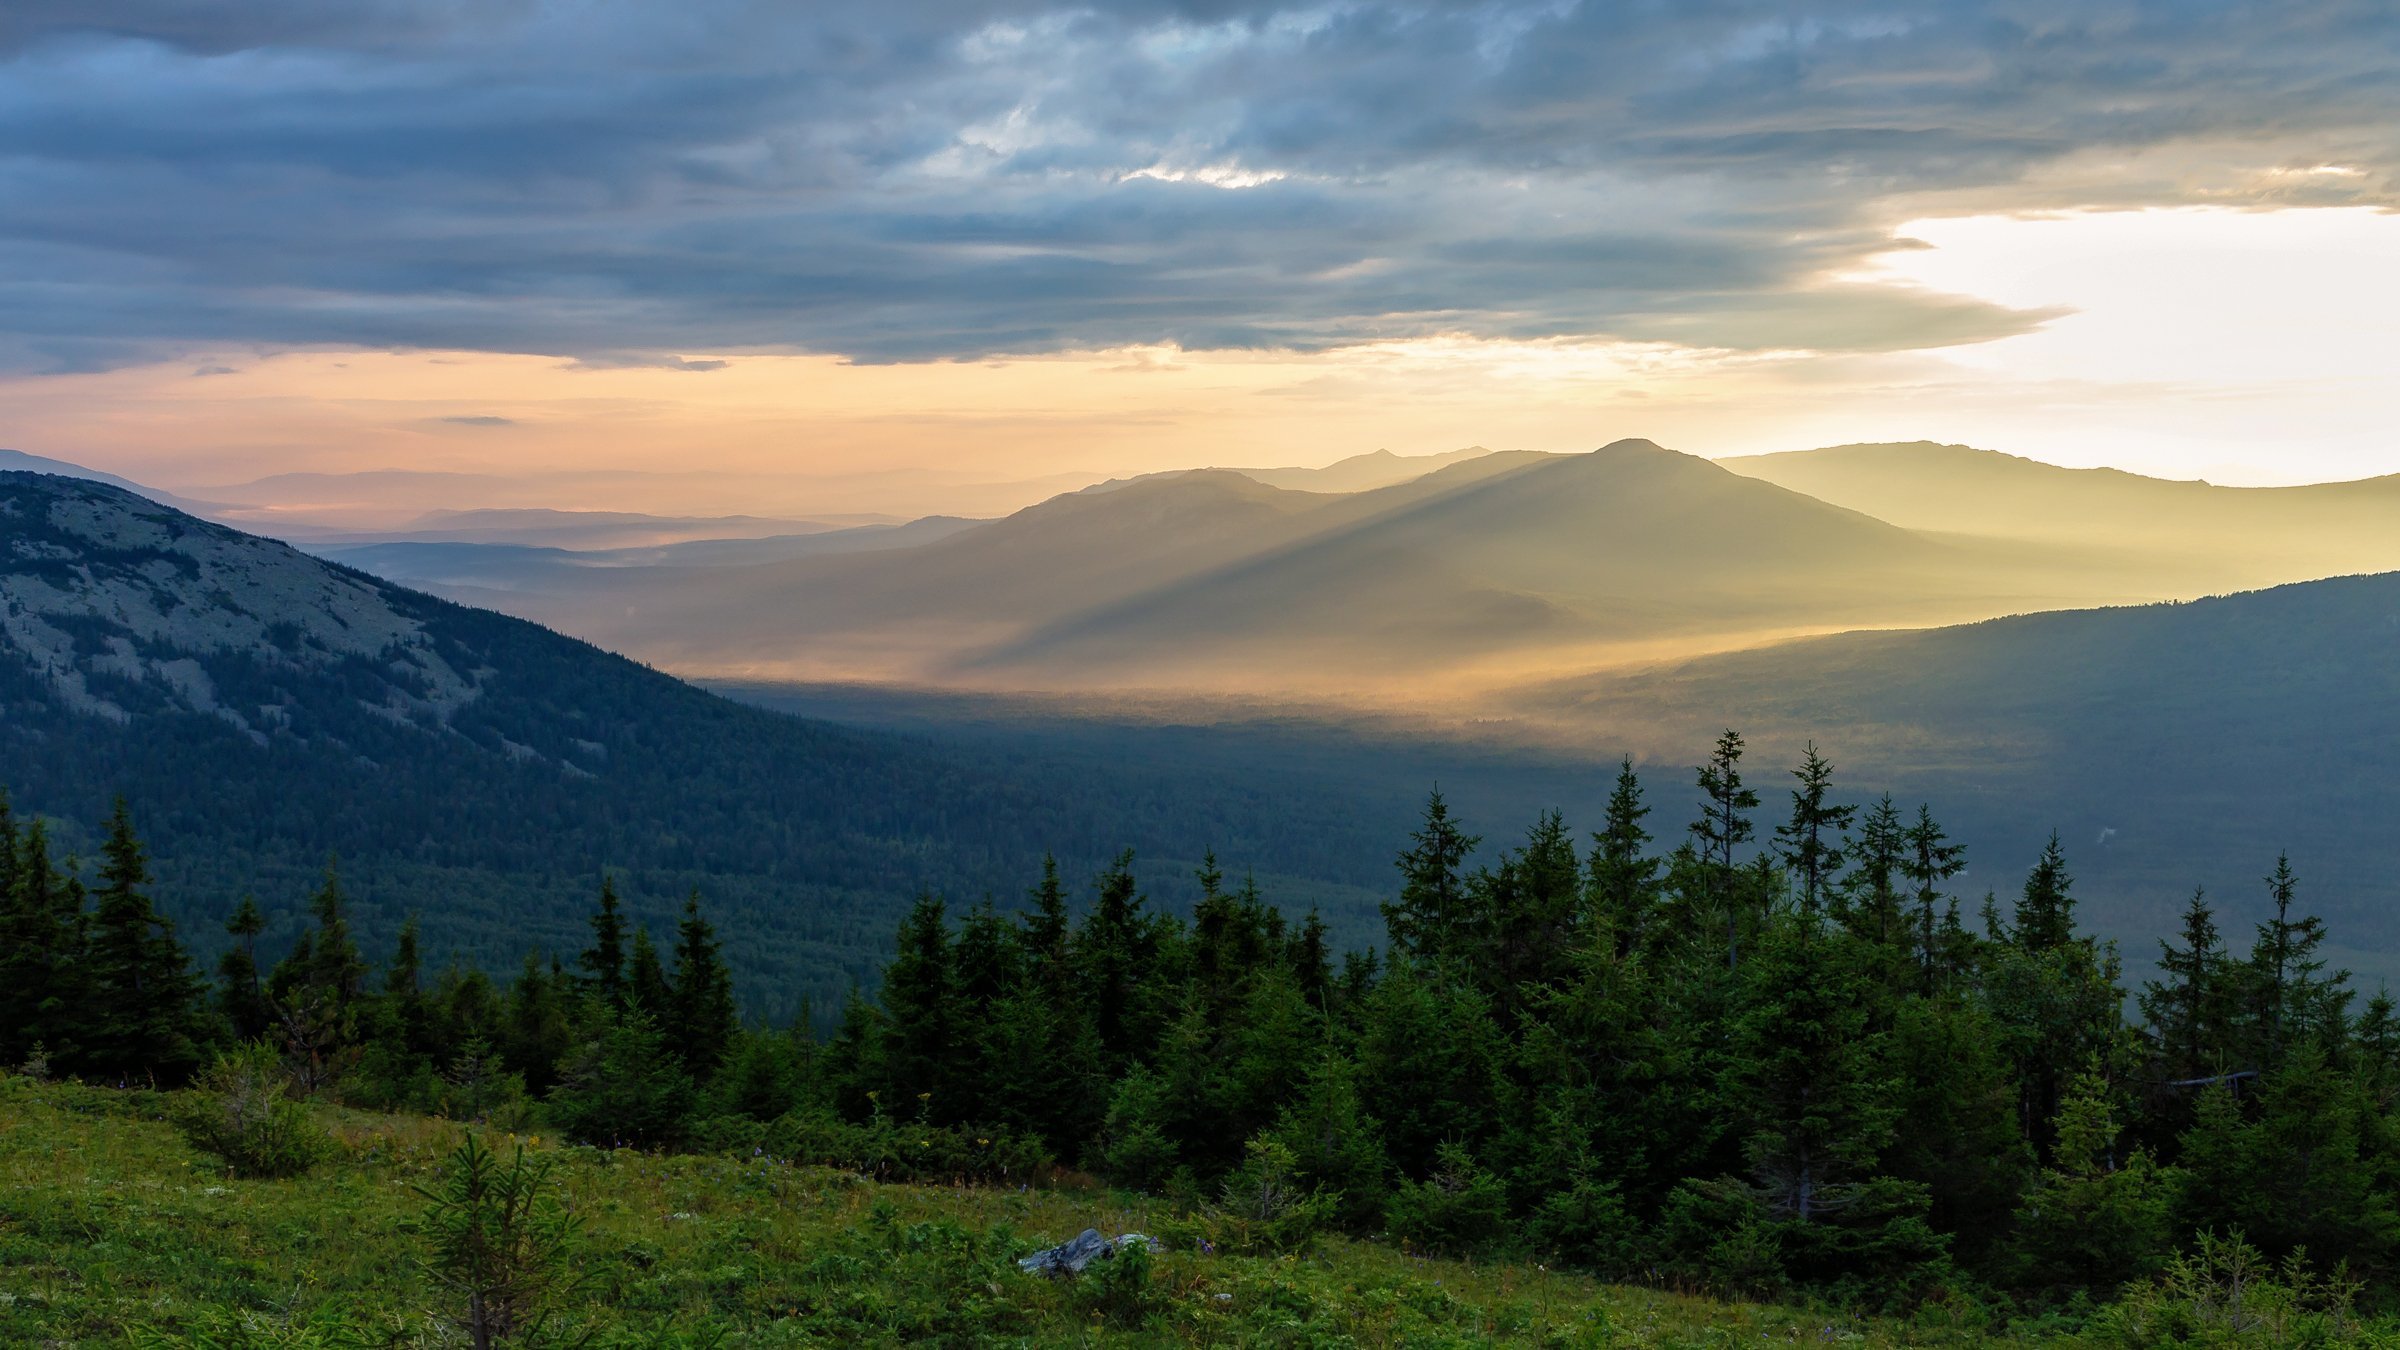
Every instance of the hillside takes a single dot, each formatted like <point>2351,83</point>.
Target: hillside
<point>2172,745</point>
<point>2197,537</point>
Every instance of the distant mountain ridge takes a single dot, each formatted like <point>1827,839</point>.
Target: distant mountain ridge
<point>1210,576</point>
<point>2207,536</point>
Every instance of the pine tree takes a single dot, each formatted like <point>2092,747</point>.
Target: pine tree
<point>646,984</point>
<point>1807,843</point>
<point>922,1015</point>
<point>2294,1000</point>
<point>603,962</point>
<point>144,1020</point>
<point>1931,861</point>
<point>1871,900</point>
<point>1529,911</point>
<point>2045,918</point>
<point>1433,919</point>
<point>701,1022</point>
<point>1623,877</point>
<point>2189,1005</point>
<point>1113,950</point>
<point>1721,829</point>
<point>42,973</point>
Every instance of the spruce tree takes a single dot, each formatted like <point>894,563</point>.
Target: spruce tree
<point>2294,1000</point>
<point>144,1020</point>
<point>701,1022</point>
<point>42,1003</point>
<point>1432,920</point>
<point>1871,900</point>
<point>646,980</point>
<point>1623,877</point>
<point>2045,917</point>
<point>2189,1005</point>
<point>922,1017</point>
<point>1808,844</point>
<point>1931,861</point>
<point>603,962</point>
<point>1722,828</point>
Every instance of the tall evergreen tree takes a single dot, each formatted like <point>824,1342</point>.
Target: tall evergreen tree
<point>1872,898</point>
<point>2295,1000</point>
<point>1809,843</point>
<point>1623,877</point>
<point>1931,861</point>
<point>701,1023</point>
<point>145,1017</point>
<point>2189,1006</point>
<point>646,980</point>
<point>603,962</point>
<point>42,972</point>
<point>1432,919</point>
<point>2045,917</point>
<point>1723,827</point>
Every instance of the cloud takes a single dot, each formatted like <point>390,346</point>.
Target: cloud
<point>953,179</point>
<point>478,420</point>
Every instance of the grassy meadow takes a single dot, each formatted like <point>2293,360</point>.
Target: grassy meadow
<point>114,1230</point>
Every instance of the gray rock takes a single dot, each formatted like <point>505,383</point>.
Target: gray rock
<point>1070,1257</point>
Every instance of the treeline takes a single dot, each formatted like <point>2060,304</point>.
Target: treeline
<point>1773,1054</point>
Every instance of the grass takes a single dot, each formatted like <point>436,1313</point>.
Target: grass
<point>110,1222</point>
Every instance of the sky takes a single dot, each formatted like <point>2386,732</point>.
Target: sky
<point>739,255</point>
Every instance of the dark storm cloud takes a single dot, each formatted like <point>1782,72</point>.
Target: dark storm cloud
<point>619,184</point>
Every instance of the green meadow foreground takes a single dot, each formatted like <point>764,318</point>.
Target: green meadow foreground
<point>113,1227</point>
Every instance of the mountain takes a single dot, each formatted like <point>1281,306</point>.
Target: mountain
<point>17,461</point>
<point>1362,473</point>
<point>263,710</point>
<point>2196,537</point>
<point>458,567</point>
<point>1553,560</point>
<point>1211,580</point>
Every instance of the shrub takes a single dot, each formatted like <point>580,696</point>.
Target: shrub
<point>624,1088</point>
<point>245,1115</point>
<point>1461,1209</point>
<point>2225,1293</point>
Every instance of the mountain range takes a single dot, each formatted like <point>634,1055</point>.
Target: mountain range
<point>1495,569</point>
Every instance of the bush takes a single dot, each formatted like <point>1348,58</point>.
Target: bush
<point>1587,1226</point>
<point>2226,1293</point>
<point>1459,1210</point>
<point>1118,1288</point>
<point>245,1115</point>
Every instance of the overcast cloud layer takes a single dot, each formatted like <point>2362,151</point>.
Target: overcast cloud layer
<point>617,183</point>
